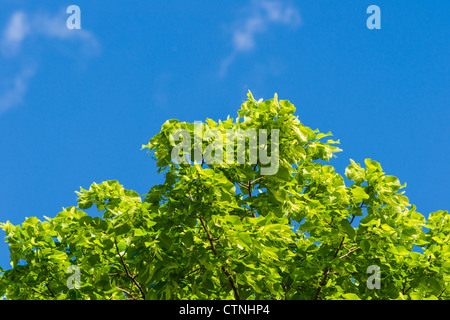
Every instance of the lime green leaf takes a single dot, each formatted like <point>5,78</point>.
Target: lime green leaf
<point>359,194</point>
<point>286,107</point>
<point>351,296</point>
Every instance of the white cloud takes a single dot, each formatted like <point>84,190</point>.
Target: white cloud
<point>16,48</point>
<point>15,32</point>
<point>54,27</point>
<point>260,15</point>
<point>16,89</point>
<point>244,37</point>
<point>23,26</point>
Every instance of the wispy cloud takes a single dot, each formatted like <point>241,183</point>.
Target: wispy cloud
<point>259,16</point>
<point>16,88</point>
<point>14,34</point>
<point>23,26</point>
<point>16,48</point>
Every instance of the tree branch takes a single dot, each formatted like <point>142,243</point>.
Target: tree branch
<point>128,274</point>
<point>327,272</point>
<point>256,180</point>
<point>350,251</point>
<point>213,248</point>
<point>127,292</point>
<point>40,293</point>
<point>51,292</point>
<point>191,271</point>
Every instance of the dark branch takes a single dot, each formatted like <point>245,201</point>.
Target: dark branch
<point>128,274</point>
<point>213,248</point>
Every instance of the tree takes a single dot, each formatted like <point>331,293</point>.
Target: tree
<point>223,230</point>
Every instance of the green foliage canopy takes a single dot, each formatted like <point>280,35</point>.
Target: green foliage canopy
<point>225,231</point>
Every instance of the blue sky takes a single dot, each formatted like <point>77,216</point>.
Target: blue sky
<point>76,105</point>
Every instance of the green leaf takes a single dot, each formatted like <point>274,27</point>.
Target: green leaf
<point>208,284</point>
<point>244,240</point>
<point>400,250</point>
<point>286,107</point>
<point>359,194</point>
<point>165,241</point>
<point>190,222</point>
<point>357,211</point>
<point>240,268</point>
<point>351,296</point>
<point>387,227</point>
<point>122,229</point>
<point>188,239</point>
<point>365,245</point>
<point>59,256</point>
<point>434,285</point>
<point>283,174</point>
<point>347,228</point>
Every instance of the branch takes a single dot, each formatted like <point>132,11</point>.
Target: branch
<point>191,271</point>
<point>256,164</point>
<point>330,223</point>
<point>250,195</point>
<point>48,287</point>
<point>327,272</point>
<point>213,248</point>
<point>319,288</point>
<point>127,292</point>
<point>40,293</point>
<point>256,180</point>
<point>211,242</point>
<point>350,251</point>
<point>242,185</point>
<point>315,193</point>
<point>249,188</point>
<point>128,274</point>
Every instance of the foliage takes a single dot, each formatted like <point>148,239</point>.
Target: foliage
<point>224,231</point>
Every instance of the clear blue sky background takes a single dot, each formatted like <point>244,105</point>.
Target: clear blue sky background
<point>76,105</point>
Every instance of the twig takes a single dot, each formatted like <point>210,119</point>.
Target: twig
<point>350,251</point>
<point>254,181</point>
<point>127,292</point>
<point>191,271</point>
